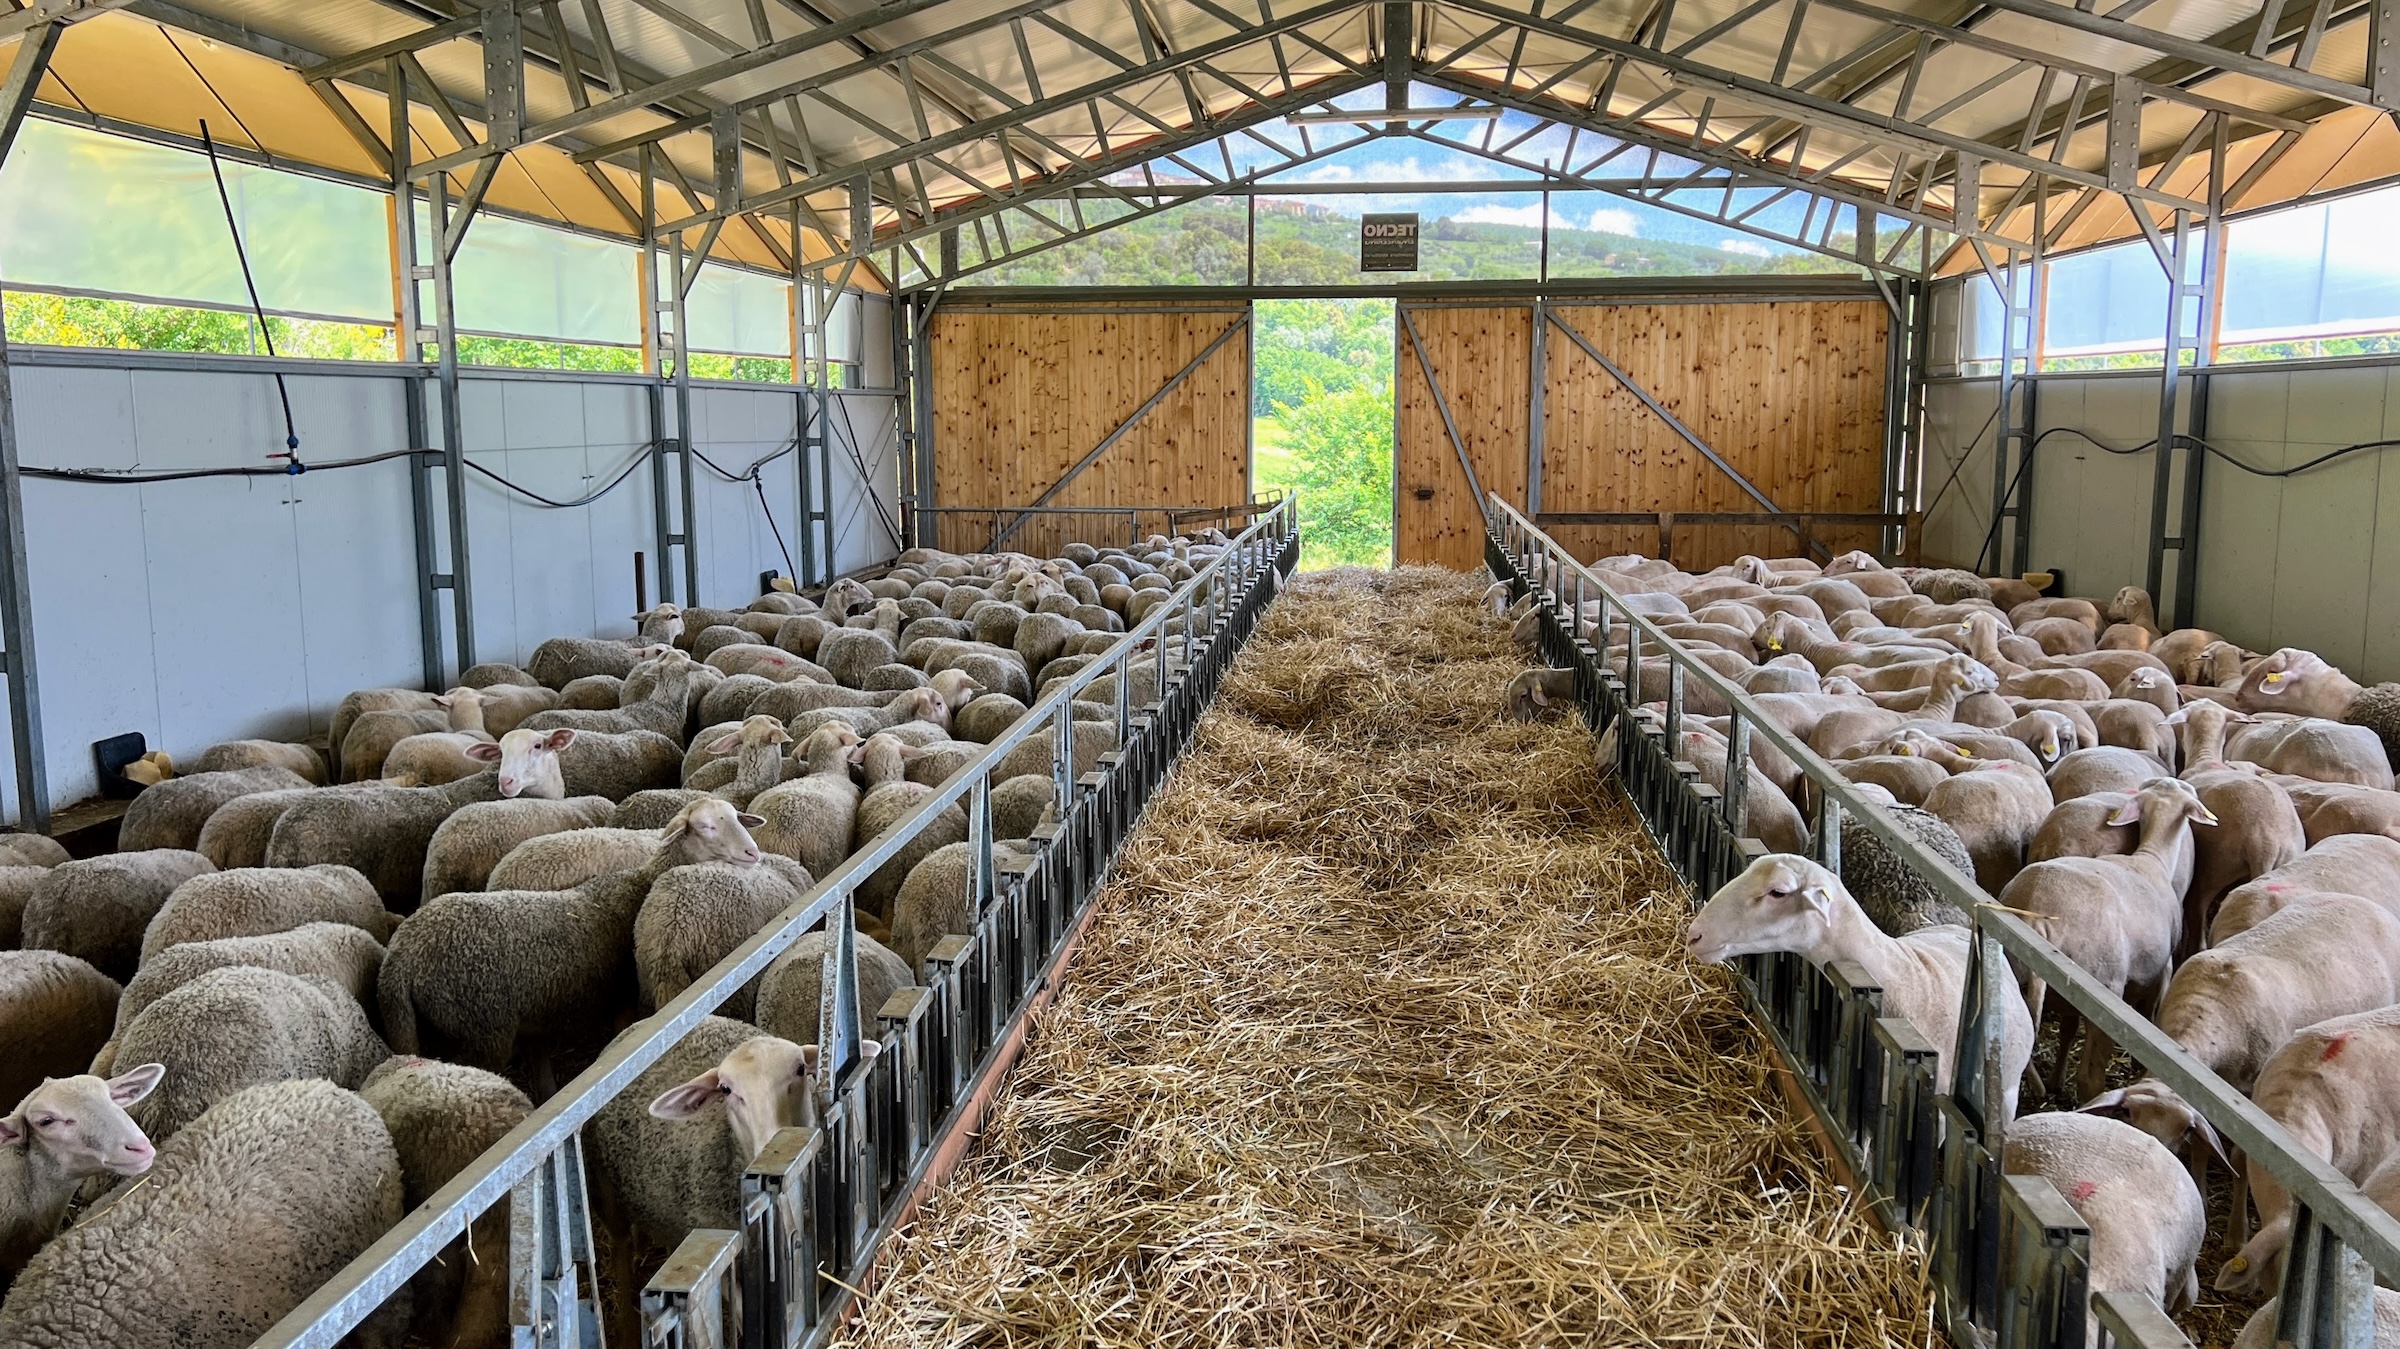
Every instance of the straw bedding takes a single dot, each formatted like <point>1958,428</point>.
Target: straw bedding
<point>1384,1036</point>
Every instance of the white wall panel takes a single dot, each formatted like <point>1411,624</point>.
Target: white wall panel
<point>1958,495</point>
<point>866,507</point>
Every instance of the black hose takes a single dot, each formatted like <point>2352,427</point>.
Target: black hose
<point>291,436</point>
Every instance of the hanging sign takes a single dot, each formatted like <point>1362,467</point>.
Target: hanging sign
<point>1387,242</point>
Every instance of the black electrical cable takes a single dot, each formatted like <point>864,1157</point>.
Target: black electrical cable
<point>752,476</point>
<point>780,545</point>
<point>640,457</point>
<point>291,436</point>
<point>135,476</point>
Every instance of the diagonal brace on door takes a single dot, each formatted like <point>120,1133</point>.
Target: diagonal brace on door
<point>1241,324</point>
<point>1675,423</point>
<point>1441,404</point>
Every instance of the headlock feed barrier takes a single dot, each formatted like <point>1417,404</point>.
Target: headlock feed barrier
<point>817,1203</point>
<point>2008,1255</point>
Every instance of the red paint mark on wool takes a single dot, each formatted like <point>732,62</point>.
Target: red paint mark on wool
<point>2085,1189</point>
<point>2335,1046</point>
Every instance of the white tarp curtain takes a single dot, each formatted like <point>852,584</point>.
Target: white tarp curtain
<point>2318,270</point>
<point>81,210</point>
<point>2107,300</point>
<point>526,280</point>
<point>739,313</point>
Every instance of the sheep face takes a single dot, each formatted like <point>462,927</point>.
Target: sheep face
<point>2153,1107</point>
<point>765,1084</point>
<point>956,687</point>
<point>1782,903</point>
<point>528,762</point>
<point>2296,681</point>
<point>713,831</point>
<point>81,1124</point>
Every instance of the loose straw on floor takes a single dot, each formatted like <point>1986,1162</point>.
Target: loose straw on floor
<point>1384,1035</point>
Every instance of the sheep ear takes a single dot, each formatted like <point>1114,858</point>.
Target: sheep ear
<point>2243,717</point>
<point>726,743</point>
<point>2202,815</point>
<point>1541,697</point>
<point>2109,1103</point>
<point>673,830</point>
<point>2129,813</point>
<point>135,1083</point>
<point>779,737</point>
<point>808,1060</point>
<point>689,1099</point>
<point>751,821</point>
<point>484,753</point>
<point>1819,897</point>
<point>856,753</point>
<point>2208,1135</point>
<point>2179,716</point>
<point>441,700</point>
<point>558,739</point>
<point>12,1130</point>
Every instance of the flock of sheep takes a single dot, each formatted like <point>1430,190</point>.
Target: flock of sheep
<point>2209,832</point>
<point>311,987</point>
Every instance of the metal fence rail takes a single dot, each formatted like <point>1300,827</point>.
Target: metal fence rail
<point>2007,1254</point>
<point>1043,530</point>
<point>817,1203</point>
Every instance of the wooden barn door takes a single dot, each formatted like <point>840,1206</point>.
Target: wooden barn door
<point>1107,406</point>
<point>1481,359</point>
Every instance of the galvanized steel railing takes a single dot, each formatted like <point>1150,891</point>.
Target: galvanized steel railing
<point>2008,1254</point>
<point>818,1202</point>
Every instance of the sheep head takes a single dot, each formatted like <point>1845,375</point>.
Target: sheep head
<point>1784,902</point>
<point>765,1084</point>
<point>80,1126</point>
<point>2299,682</point>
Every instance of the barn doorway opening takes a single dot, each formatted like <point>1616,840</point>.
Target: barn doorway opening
<point>1321,409</point>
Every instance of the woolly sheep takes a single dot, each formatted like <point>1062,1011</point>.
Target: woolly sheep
<point>61,1132</point>
<point>565,860</point>
<point>915,705</point>
<point>170,815</point>
<point>431,758</point>
<point>1788,903</point>
<point>890,796</point>
<point>664,709</point>
<point>932,904</point>
<point>257,901</point>
<point>592,693</point>
<point>55,1013</point>
<point>238,833</point>
<point>811,817</point>
<point>304,1171</point>
<point>565,762</point>
<point>30,850</point>
<point>791,991</point>
<point>1020,804</point>
<point>2146,1216</point>
<point>381,831</point>
<point>757,747</point>
<point>1893,895</point>
<point>359,703</point>
<point>373,736</point>
<point>696,915</point>
<point>346,956</point>
<point>97,908</point>
<point>236,754</point>
<point>241,1025</point>
<point>987,718</point>
<point>652,810</point>
<point>466,847</point>
<point>17,885</point>
<point>484,971</point>
<point>563,660</point>
<point>442,1117</point>
<point>493,672</point>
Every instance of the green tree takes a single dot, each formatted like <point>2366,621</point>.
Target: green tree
<point>1341,467</point>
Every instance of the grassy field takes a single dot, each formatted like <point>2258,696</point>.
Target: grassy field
<point>1271,463</point>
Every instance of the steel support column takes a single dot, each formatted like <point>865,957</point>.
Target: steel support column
<point>16,586</point>
<point>683,270</point>
<point>454,446</point>
<point>409,323</point>
<point>2019,282</point>
<point>2191,300</point>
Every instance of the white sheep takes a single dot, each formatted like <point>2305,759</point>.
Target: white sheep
<point>2146,1216</point>
<point>2335,1088</point>
<point>431,758</point>
<point>348,956</point>
<point>810,818</point>
<point>239,1026</point>
<point>61,1133</point>
<point>696,915</point>
<point>565,860</point>
<point>255,901</point>
<point>1789,903</point>
<point>564,761</point>
<point>466,847</point>
<point>442,1117</point>
<point>1996,807</point>
<point>2366,865</point>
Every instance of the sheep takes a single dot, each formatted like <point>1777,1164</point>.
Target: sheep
<point>2310,747</point>
<point>55,1013</point>
<point>237,754</point>
<point>381,831</point>
<point>30,850</point>
<point>757,763</point>
<point>349,957</point>
<point>1888,890</point>
<point>932,903</point>
<point>240,1025</point>
<point>2101,768</point>
<point>361,702</point>
<point>771,663</point>
<point>2335,1088</point>
<point>2259,1331</point>
<point>442,1117</point>
<point>1996,808</point>
<point>2293,680</point>
<point>2330,808</point>
<point>664,709</point>
<point>96,909</point>
<point>2050,736</point>
<point>431,758</point>
<point>592,693</point>
<point>565,762</point>
<point>987,718</point>
<point>2084,826</point>
<point>2120,918</point>
<point>256,901</point>
<point>170,815</point>
<point>16,890</point>
<point>668,1153</point>
<point>237,834</point>
<point>1020,804</point>
<point>915,705</point>
<point>791,991</point>
<point>484,971</point>
<point>563,660</point>
<point>810,817</point>
<point>2322,956</point>
<point>696,915</point>
<point>1903,774</point>
<point>2263,831</point>
<point>1789,903</point>
<point>2148,686</point>
<point>303,1172</point>
<point>890,796</point>
<point>2366,865</point>
<point>374,735</point>
<point>465,848</point>
<point>565,860</point>
<point>61,1132</point>
<point>2147,1218</point>
<point>848,653</point>
<point>1770,815</point>
<point>651,810</point>
<point>1535,692</point>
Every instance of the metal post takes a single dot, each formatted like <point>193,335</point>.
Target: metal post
<point>654,395</point>
<point>683,419</point>
<point>2196,296</point>
<point>16,586</point>
<point>409,320</point>
<point>2019,282</point>
<point>815,370</point>
<point>454,444</point>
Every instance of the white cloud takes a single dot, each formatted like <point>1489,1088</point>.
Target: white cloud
<point>1333,173</point>
<point>1530,215</point>
<point>1746,247</point>
<point>1616,220</point>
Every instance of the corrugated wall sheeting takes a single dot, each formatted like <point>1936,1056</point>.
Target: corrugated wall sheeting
<point>1020,396</point>
<point>2310,561</point>
<point>215,609</point>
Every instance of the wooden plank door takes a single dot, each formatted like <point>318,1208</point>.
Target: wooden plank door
<point>1481,357</point>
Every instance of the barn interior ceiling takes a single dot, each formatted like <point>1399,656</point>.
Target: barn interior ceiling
<point>1925,134</point>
